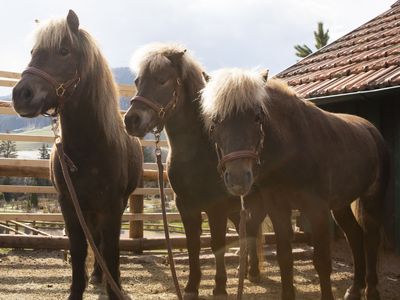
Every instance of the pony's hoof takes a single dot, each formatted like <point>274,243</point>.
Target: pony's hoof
<point>254,278</point>
<point>220,297</point>
<point>190,296</point>
<point>95,279</point>
<point>372,294</point>
<point>288,294</point>
<point>352,293</point>
<point>220,294</point>
<point>75,297</point>
<point>127,297</point>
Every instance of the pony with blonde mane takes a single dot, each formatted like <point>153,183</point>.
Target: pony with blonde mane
<point>168,77</point>
<point>308,159</point>
<point>69,77</point>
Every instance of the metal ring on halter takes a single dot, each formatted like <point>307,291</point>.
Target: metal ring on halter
<point>60,91</point>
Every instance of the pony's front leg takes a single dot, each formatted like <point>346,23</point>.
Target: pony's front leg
<point>78,250</point>
<point>97,275</point>
<point>110,226</point>
<point>280,215</point>
<point>257,213</point>
<point>192,224</point>
<point>217,219</point>
<point>318,216</point>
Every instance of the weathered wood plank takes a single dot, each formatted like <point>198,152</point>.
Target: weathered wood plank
<point>10,75</point>
<point>29,228</point>
<point>44,242</point>
<point>57,217</point>
<point>50,139</point>
<point>52,190</point>
<point>39,168</point>
<point>8,83</point>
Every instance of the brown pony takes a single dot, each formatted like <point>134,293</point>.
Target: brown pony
<point>310,159</point>
<point>108,161</point>
<point>168,84</point>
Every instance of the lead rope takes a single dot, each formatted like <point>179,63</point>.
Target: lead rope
<point>243,248</point>
<point>171,261</point>
<point>65,161</point>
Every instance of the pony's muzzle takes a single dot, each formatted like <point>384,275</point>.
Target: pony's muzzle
<point>138,122</point>
<point>27,100</point>
<point>238,177</point>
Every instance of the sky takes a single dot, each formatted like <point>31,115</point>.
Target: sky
<point>220,33</point>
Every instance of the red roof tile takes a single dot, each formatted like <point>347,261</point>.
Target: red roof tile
<point>367,58</point>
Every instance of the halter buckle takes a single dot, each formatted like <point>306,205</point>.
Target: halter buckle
<point>60,91</point>
<point>161,113</point>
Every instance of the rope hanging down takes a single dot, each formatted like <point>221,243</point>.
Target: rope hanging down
<point>164,213</point>
<point>243,248</point>
<point>67,164</point>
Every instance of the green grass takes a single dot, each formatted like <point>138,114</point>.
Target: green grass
<point>4,251</point>
<point>30,146</point>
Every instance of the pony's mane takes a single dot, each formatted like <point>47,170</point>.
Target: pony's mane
<point>278,85</point>
<point>231,91</point>
<point>154,57</point>
<point>94,71</point>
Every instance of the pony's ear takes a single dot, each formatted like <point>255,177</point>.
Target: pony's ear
<point>176,57</point>
<point>73,21</point>
<point>264,74</point>
<point>206,76</point>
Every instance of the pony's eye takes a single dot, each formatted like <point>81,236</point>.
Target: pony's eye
<point>163,81</point>
<point>258,118</point>
<point>64,51</point>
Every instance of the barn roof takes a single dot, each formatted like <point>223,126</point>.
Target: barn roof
<point>365,59</point>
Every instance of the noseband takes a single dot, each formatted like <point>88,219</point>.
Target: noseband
<point>60,88</point>
<point>161,111</point>
<point>240,154</point>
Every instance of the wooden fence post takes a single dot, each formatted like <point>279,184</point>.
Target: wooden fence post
<point>136,227</point>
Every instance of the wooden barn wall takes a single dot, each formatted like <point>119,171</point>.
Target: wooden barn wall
<point>384,113</point>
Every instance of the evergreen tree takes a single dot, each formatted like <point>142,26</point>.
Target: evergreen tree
<point>321,39</point>
<point>44,152</point>
<point>302,50</point>
<point>321,36</point>
<point>8,149</point>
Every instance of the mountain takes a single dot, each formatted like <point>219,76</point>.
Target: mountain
<point>122,75</point>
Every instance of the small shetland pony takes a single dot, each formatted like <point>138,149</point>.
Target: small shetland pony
<point>168,83</point>
<point>69,75</point>
<point>310,159</point>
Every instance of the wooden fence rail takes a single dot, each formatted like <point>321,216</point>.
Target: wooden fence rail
<point>135,245</point>
<point>40,169</point>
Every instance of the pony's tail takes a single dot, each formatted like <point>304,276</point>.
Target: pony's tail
<point>379,192</point>
<point>384,173</point>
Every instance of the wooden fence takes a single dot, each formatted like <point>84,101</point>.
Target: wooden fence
<point>40,169</point>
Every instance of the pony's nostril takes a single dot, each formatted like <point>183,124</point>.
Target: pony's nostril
<point>132,121</point>
<point>26,94</point>
<point>135,120</point>
<point>248,176</point>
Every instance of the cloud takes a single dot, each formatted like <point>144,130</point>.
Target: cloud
<point>221,33</point>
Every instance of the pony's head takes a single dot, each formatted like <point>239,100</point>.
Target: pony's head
<point>234,109</point>
<point>161,72</point>
<point>52,73</point>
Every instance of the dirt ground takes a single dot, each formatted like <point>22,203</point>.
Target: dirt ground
<point>28,274</point>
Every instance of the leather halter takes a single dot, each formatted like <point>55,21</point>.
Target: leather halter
<point>157,107</point>
<point>60,88</point>
<point>240,154</point>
